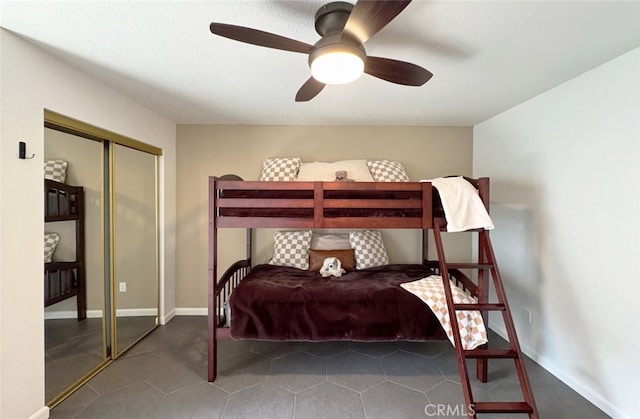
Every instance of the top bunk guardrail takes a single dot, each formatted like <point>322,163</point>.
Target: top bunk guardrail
<point>250,204</point>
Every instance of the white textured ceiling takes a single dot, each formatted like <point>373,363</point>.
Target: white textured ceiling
<point>486,56</point>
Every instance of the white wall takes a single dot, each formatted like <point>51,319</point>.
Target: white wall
<point>565,171</point>
<point>31,81</point>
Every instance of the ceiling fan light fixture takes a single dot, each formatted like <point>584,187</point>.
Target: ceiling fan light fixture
<point>339,56</point>
<point>337,63</point>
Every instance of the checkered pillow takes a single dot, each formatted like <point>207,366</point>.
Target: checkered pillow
<point>369,249</point>
<point>280,169</point>
<point>55,170</point>
<point>50,242</point>
<point>291,248</point>
<point>387,171</point>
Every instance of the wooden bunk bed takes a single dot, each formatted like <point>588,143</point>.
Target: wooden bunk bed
<point>355,205</point>
<point>63,280</point>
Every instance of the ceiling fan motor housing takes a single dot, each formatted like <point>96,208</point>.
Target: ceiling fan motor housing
<point>330,21</point>
<point>336,43</point>
<point>332,17</point>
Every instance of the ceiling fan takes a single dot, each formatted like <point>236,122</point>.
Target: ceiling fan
<point>339,56</point>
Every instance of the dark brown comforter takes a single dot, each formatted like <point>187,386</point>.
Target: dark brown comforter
<point>280,303</point>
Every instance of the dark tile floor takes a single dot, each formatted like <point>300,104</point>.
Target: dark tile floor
<point>164,376</point>
<point>73,348</point>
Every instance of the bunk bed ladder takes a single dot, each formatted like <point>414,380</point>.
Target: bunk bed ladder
<point>486,262</point>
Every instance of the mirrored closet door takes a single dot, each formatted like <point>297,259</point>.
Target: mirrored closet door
<point>74,335</point>
<point>135,244</point>
<point>101,284</point>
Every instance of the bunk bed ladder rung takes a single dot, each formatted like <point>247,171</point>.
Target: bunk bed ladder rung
<point>503,407</point>
<point>482,266</point>
<point>480,306</point>
<point>490,353</point>
<point>486,265</point>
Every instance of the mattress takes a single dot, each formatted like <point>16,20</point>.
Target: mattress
<point>283,303</point>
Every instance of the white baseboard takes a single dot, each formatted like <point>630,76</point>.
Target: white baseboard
<point>71,314</point>
<point>132,312</point>
<point>167,317</point>
<point>577,385</point>
<point>42,413</point>
<point>192,311</point>
<point>136,312</point>
<point>97,314</point>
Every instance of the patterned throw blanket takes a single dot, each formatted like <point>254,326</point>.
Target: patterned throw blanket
<point>431,291</point>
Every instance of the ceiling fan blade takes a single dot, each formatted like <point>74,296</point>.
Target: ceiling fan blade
<point>398,72</point>
<point>368,17</point>
<point>309,90</point>
<point>260,38</point>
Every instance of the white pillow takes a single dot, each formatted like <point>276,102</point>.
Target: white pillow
<point>330,241</point>
<point>291,248</point>
<point>326,172</point>
<point>280,169</point>
<point>387,171</point>
<point>55,170</point>
<point>369,249</point>
<point>50,243</point>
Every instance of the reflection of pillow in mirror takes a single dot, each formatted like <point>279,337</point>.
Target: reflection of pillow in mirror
<point>50,243</point>
<point>317,257</point>
<point>326,172</point>
<point>55,170</point>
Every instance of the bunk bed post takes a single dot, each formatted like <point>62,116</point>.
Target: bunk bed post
<point>482,364</point>
<point>425,246</point>
<point>427,219</point>
<point>318,204</point>
<point>249,238</point>
<point>213,265</point>
<point>80,257</point>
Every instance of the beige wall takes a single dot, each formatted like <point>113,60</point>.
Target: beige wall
<point>426,152</point>
<point>30,82</point>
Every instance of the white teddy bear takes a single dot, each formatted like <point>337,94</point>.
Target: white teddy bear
<point>332,266</point>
